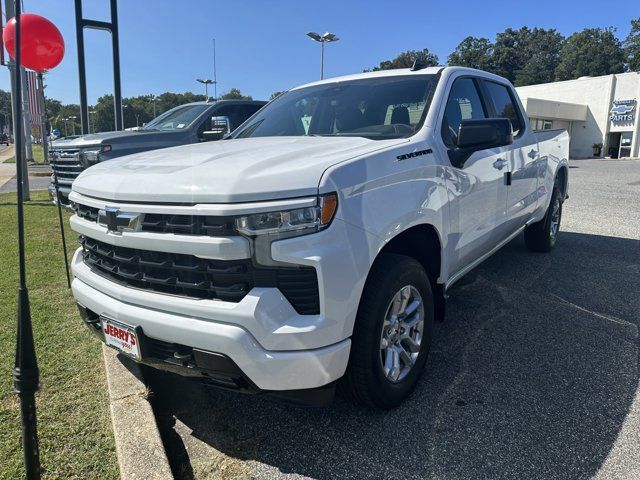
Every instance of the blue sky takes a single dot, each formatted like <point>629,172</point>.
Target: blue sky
<point>262,46</point>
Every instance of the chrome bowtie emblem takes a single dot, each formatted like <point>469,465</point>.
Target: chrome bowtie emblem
<point>116,221</point>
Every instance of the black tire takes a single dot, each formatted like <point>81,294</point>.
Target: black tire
<point>539,236</point>
<point>365,381</point>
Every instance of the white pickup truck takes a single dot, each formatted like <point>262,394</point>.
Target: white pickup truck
<point>315,247</point>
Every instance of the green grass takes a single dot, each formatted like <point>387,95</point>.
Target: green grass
<point>76,440</point>
<point>38,155</point>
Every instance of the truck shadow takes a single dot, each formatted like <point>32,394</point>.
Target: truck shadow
<point>532,375</point>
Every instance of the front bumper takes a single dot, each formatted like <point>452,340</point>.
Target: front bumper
<point>266,369</point>
<point>63,194</point>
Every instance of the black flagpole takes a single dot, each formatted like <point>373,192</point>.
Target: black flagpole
<point>26,379</point>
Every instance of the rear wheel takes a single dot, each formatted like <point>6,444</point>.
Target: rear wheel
<point>542,236</point>
<point>392,334</point>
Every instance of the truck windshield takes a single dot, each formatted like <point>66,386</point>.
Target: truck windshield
<point>177,118</point>
<point>376,108</point>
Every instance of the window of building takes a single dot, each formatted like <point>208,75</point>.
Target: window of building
<point>541,124</point>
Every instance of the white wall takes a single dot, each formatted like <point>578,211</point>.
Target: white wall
<point>593,92</point>
<point>597,93</point>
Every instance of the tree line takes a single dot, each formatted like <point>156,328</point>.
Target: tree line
<point>136,111</point>
<point>536,55</point>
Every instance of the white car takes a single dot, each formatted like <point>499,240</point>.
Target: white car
<point>315,247</point>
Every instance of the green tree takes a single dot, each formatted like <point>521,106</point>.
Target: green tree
<point>275,95</point>
<point>591,52</point>
<point>526,56</point>
<point>632,46</point>
<point>136,110</point>
<point>5,109</point>
<point>510,52</point>
<point>542,58</point>
<point>234,94</point>
<point>406,60</point>
<point>64,120</point>
<point>473,52</point>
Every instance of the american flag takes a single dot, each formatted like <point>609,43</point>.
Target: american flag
<point>34,98</point>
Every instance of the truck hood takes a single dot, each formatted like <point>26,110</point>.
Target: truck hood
<point>108,138</point>
<point>228,171</point>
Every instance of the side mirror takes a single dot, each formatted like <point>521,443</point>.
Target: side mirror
<point>220,126</point>
<point>480,134</point>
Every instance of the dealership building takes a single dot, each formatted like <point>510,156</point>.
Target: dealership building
<point>595,110</point>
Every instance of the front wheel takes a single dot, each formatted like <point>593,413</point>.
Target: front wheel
<point>392,334</point>
<point>542,236</point>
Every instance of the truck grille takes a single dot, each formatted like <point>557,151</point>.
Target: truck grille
<point>178,224</point>
<point>187,275</point>
<point>67,164</point>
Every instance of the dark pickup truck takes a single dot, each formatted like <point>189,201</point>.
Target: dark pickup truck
<point>189,123</point>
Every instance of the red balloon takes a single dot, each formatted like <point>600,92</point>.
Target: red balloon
<point>41,42</point>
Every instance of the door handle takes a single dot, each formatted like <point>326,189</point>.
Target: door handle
<point>500,163</point>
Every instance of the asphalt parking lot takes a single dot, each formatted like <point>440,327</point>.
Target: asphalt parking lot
<point>534,373</point>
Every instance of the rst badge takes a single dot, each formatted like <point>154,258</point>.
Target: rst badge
<point>117,221</point>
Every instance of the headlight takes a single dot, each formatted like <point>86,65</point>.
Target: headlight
<point>299,221</point>
<point>93,156</point>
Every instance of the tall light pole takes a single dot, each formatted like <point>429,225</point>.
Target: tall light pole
<point>326,38</point>
<point>206,82</point>
<point>92,121</point>
<point>73,123</point>
<point>153,98</point>
<point>215,76</point>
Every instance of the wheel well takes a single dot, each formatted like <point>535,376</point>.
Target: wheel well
<point>561,180</point>
<point>422,243</point>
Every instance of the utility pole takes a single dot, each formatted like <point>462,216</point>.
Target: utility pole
<point>9,7</point>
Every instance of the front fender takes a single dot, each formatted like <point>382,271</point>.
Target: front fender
<point>385,196</point>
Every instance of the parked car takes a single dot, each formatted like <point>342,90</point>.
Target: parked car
<point>316,246</point>
<point>4,138</point>
<point>189,123</point>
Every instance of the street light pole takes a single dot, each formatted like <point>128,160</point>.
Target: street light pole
<point>322,39</point>
<point>73,123</point>
<point>92,121</point>
<point>215,76</point>
<point>206,82</point>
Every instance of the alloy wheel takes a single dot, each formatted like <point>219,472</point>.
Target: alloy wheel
<point>402,333</point>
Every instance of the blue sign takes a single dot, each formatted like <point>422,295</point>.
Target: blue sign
<point>621,111</point>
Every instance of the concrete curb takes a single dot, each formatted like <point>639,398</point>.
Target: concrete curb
<point>140,450</point>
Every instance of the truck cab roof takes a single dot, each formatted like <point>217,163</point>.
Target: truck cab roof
<point>403,72</point>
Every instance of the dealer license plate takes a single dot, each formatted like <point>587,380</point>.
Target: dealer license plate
<point>121,337</point>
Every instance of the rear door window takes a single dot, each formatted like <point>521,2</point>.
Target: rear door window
<point>504,104</point>
<point>463,104</point>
